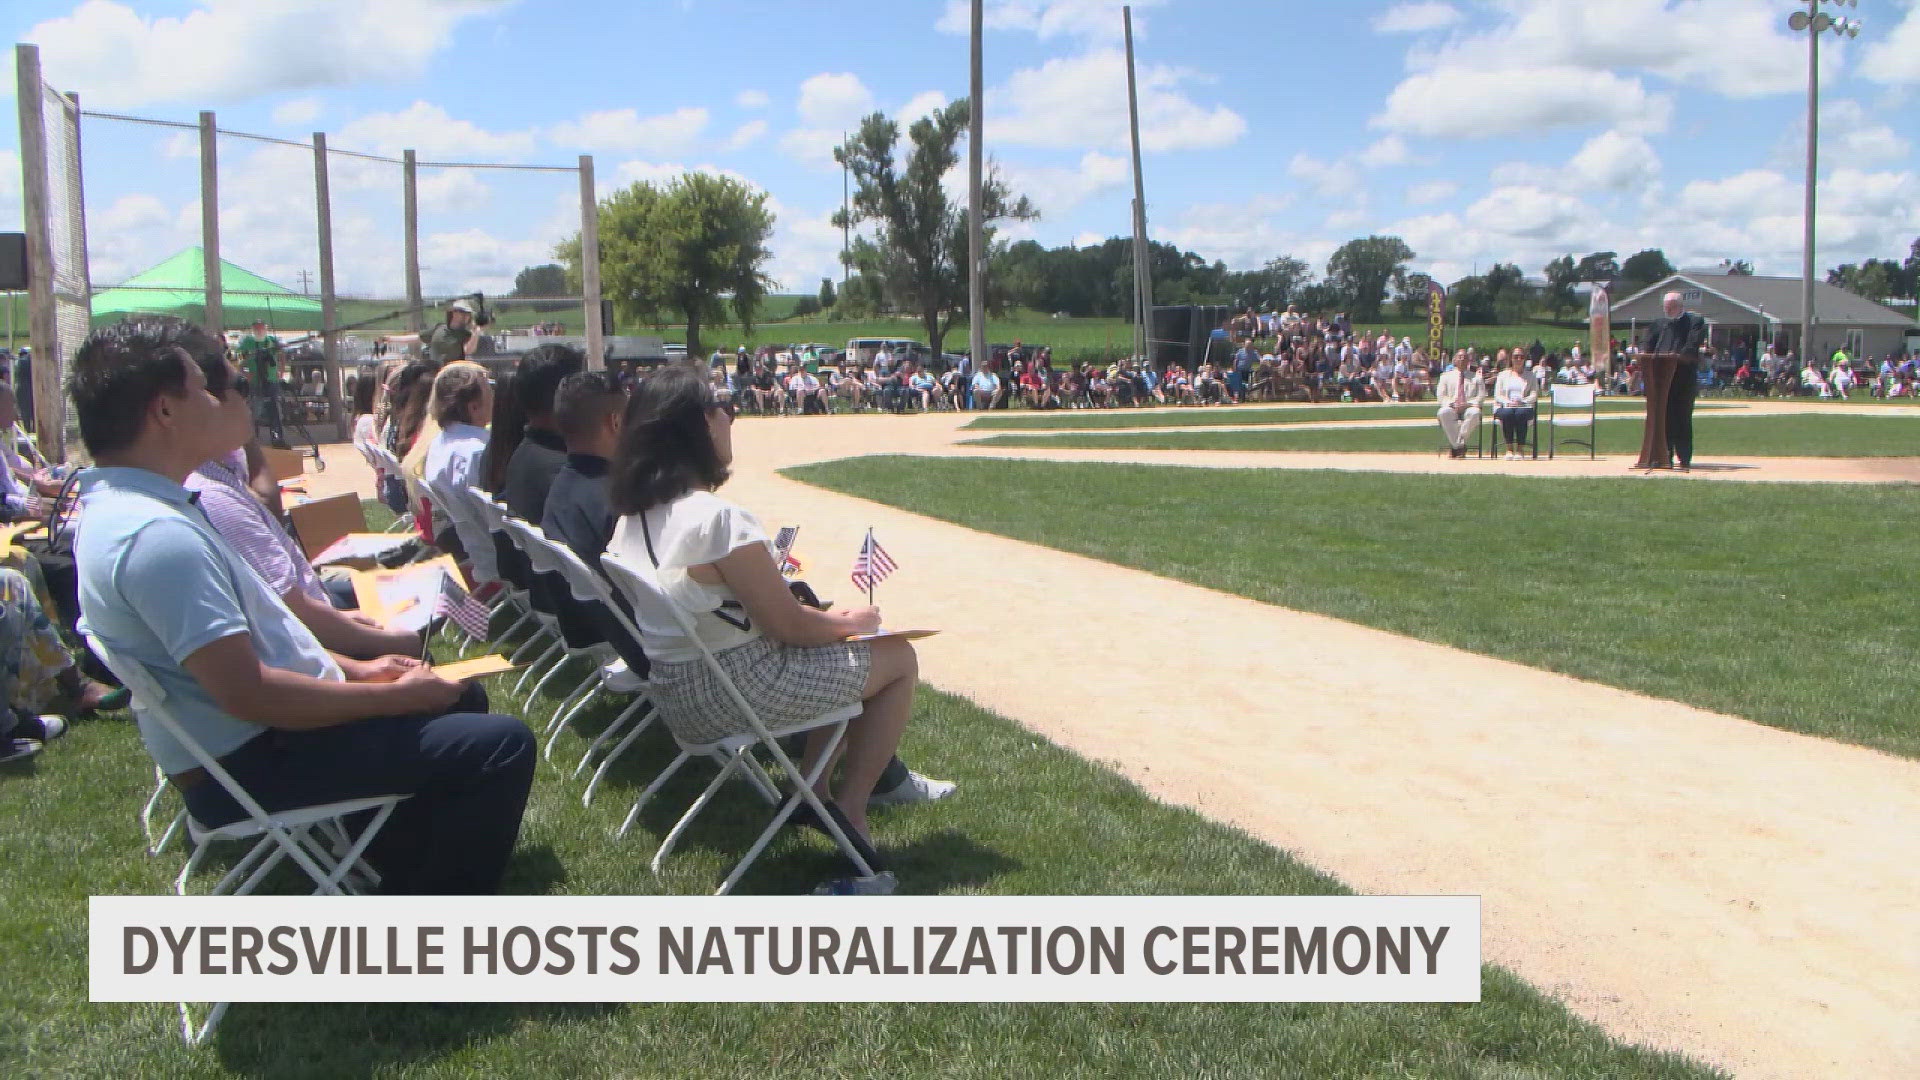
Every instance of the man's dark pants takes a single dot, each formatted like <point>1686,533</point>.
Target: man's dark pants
<point>467,772</point>
<point>1686,387</point>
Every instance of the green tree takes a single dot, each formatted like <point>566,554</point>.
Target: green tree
<point>826,297</point>
<point>1562,273</point>
<point>1642,269</point>
<point>1601,267</point>
<point>694,248</point>
<point>546,280</point>
<point>1736,267</point>
<point>1875,279</point>
<point>1361,269</point>
<point>805,306</point>
<point>1410,296</point>
<point>1473,299</point>
<point>919,252</point>
<point>1513,298</point>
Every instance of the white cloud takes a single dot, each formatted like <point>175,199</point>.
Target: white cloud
<point>1080,101</point>
<point>1482,103</point>
<point>746,134</point>
<point>1416,18</point>
<point>805,247</point>
<point>1848,135</point>
<point>1526,213</point>
<point>454,191</point>
<point>432,133</point>
<point>831,106</point>
<point>1243,234</point>
<point>1432,191</point>
<point>625,131</point>
<point>661,173</point>
<point>229,50</point>
<point>1091,19</point>
<point>298,112</point>
<point>1751,53</point>
<point>834,99</point>
<point>1328,179</point>
<point>1614,161</point>
<point>1391,150</point>
<point>752,99</point>
<point>1055,191</point>
<point>922,104</point>
<point>1893,57</point>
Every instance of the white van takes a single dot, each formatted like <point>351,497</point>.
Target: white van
<point>861,351</point>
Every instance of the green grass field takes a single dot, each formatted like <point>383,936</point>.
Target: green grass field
<point>1788,604</point>
<point>1030,819</point>
<point>1226,416</point>
<point>1867,435</point>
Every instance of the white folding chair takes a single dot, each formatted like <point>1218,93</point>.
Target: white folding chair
<point>546,626</point>
<point>157,845</point>
<point>384,463</point>
<point>1573,407</point>
<point>660,621</point>
<point>314,837</point>
<point>540,555</point>
<point>589,587</point>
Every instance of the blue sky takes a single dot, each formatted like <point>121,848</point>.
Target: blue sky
<point>1479,130</point>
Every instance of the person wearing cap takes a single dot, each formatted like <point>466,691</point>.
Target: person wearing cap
<point>260,352</point>
<point>454,339</point>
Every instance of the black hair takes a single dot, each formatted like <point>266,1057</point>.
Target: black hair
<point>504,429</point>
<point>537,379</point>
<point>584,400</point>
<point>455,389</point>
<point>363,389</point>
<point>411,390</point>
<point>666,448</point>
<point>528,392</point>
<point>122,368</point>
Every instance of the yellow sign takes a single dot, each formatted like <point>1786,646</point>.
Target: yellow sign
<point>1436,319</point>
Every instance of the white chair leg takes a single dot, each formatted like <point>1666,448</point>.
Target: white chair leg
<point>600,773</point>
<point>577,700</point>
<point>566,657</point>
<point>153,802</point>
<point>196,1036</point>
<point>179,825</point>
<point>659,782</point>
<point>611,731</point>
<point>558,649</point>
<point>686,819</point>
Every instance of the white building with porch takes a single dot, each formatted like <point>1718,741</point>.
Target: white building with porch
<point>1745,312</point>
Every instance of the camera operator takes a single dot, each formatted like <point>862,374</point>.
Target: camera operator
<point>259,351</point>
<point>455,338</point>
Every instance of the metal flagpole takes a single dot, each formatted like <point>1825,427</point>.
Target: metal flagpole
<point>976,233</point>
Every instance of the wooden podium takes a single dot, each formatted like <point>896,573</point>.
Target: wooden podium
<point>1657,373</point>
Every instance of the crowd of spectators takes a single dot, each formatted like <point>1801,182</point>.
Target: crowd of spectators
<point>187,567</point>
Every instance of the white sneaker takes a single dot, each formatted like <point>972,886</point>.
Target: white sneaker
<point>915,789</point>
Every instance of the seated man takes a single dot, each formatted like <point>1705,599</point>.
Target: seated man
<point>293,723</point>
<point>1459,392</point>
<point>249,528</point>
<point>541,453</point>
<point>579,515</point>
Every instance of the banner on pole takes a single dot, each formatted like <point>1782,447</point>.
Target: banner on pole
<point>1436,319</point>
<point>1599,317</point>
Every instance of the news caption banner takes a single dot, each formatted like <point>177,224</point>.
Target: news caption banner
<point>785,948</point>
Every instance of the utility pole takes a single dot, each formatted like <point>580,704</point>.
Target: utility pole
<point>1142,265</point>
<point>306,282</point>
<point>846,218</point>
<point>976,237</point>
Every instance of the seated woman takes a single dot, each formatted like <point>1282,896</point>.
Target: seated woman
<point>1515,397</point>
<point>716,561</point>
<point>37,672</point>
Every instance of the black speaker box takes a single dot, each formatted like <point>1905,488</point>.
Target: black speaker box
<point>13,262</point>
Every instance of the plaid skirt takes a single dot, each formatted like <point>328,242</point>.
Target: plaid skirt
<point>787,685</point>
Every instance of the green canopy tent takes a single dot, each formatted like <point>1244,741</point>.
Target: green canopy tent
<point>178,286</point>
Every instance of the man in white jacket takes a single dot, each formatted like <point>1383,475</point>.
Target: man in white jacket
<point>1459,393</point>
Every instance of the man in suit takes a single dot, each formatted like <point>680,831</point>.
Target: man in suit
<point>1459,392</point>
<point>1671,360</point>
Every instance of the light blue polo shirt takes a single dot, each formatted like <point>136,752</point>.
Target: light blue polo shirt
<point>157,584</point>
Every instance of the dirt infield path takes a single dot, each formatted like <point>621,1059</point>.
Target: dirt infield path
<point>1686,880</point>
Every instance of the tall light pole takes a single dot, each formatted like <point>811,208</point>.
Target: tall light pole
<point>977,353</point>
<point>1813,22</point>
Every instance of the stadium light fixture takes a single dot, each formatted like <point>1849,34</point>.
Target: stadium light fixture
<point>1814,21</point>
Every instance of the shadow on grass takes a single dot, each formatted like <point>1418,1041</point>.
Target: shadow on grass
<point>347,1042</point>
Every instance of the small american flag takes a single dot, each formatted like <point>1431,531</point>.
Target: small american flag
<point>783,545</point>
<point>457,604</point>
<point>872,565</point>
